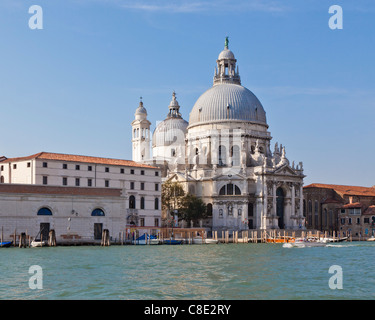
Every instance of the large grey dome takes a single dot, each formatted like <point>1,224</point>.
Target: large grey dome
<point>227,102</point>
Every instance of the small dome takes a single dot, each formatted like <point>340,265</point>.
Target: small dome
<point>141,109</point>
<point>226,54</point>
<point>170,131</point>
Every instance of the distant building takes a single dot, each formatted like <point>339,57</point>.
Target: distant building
<point>340,208</point>
<point>44,190</point>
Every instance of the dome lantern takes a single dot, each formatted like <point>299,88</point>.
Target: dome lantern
<point>225,71</point>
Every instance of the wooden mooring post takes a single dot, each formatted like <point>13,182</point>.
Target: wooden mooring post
<point>22,242</point>
<point>105,238</point>
<point>52,238</point>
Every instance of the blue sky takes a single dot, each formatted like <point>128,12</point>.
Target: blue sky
<point>73,87</point>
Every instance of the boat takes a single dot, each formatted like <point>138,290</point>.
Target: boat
<point>38,243</point>
<point>371,239</point>
<point>172,241</point>
<point>200,240</point>
<point>333,239</point>
<point>6,244</point>
<point>303,243</point>
<point>150,240</point>
<point>285,239</point>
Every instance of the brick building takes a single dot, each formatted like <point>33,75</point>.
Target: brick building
<point>340,208</point>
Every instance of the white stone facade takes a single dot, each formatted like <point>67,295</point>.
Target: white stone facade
<point>224,156</point>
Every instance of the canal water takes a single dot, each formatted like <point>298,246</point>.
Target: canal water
<point>196,272</point>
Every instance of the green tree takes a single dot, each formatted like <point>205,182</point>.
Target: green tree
<point>172,194</point>
<point>192,209</point>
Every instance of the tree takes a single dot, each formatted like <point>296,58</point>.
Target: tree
<point>172,194</point>
<point>192,209</point>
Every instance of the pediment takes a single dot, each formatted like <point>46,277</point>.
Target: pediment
<point>179,177</point>
<point>285,170</point>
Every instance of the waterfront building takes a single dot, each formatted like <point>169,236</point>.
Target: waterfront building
<point>340,208</point>
<point>223,155</point>
<point>84,194</point>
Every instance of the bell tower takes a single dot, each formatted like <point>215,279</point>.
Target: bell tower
<point>140,135</point>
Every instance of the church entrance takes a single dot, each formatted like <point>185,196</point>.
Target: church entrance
<point>280,207</point>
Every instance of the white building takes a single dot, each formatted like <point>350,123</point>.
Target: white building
<point>223,155</point>
<point>44,190</point>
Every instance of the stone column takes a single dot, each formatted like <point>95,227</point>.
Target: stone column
<point>292,221</point>
<point>301,220</point>
<point>274,212</point>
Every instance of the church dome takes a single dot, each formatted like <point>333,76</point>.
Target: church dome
<point>227,102</point>
<point>140,112</point>
<point>171,130</point>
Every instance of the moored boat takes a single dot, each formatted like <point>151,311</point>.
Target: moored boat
<point>280,240</point>
<point>6,244</point>
<point>142,240</point>
<point>38,243</point>
<point>172,241</point>
<point>200,240</point>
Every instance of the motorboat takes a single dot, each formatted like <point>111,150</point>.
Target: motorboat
<point>371,239</point>
<point>37,243</point>
<point>304,242</point>
<point>142,240</point>
<point>200,240</point>
<point>333,239</point>
<point>6,244</point>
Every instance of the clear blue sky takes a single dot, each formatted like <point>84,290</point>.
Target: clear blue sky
<point>73,87</point>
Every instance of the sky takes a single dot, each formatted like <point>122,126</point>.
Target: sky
<point>73,86</point>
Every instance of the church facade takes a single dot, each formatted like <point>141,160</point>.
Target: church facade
<point>223,155</point>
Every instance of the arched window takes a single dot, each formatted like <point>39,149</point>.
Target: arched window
<point>44,212</point>
<point>131,202</point>
<point>325,218</point>
<point>156,203</point>
<point>330,217</point>
<point>235,154</point>
<point>2,179</point>
<point>142,203</point>
<point>97,213</point>
<point>229,190</point>
<point>222,156</point>
<point>316,209</point>
<point>209,209</point>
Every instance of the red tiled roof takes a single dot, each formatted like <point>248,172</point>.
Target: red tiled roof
<point>79,158</point>
<point>55,190</point>
<point>352,205</point>
<point>345,190</point>
<point>370,210</point>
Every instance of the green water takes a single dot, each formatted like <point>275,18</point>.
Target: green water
<point>218,272</point>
